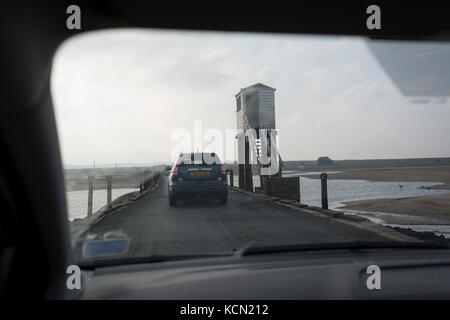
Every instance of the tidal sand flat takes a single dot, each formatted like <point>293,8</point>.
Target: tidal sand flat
<point>434,208</point>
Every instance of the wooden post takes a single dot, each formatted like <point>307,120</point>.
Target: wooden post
<point>90,194</point>
<point>109,191</point>
<point>151,178</point>
<point>241,160</point>
<point>280,167</point>
<point>248,175</point>
<point>241,174</point>
<point>144,180</point>
<point>230,171</point>
<point>323,180</point>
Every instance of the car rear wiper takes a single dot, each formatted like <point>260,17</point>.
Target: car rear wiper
<point>354,245</point>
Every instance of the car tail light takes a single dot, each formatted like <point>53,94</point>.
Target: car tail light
<point>222,167</point>
<point>223,171</point>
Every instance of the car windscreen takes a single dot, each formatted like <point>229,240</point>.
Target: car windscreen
<point>317,140</point>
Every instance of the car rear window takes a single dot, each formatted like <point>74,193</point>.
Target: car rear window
<point>199,159</point>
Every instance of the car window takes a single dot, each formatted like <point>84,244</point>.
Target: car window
<point>300,129</point>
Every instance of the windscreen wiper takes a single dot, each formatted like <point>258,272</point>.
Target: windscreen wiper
<point>248,249</point>
<point>354,245</point>
<point>109,262</point>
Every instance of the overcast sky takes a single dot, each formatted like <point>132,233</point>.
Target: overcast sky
<point>119,95</point>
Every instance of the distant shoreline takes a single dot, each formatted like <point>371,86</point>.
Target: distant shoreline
<point>438,174</point>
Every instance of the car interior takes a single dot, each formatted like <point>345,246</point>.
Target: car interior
<point>34,232</point>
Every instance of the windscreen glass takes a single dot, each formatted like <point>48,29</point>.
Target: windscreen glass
<point>299,129</point>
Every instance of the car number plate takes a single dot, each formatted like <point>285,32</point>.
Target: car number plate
<point>199,173</point>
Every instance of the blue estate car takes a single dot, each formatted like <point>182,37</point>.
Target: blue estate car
<point>198,174</point>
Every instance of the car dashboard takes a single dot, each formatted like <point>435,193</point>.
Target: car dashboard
<point>334,274</point>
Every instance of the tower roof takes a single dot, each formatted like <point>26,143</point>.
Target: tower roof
<point>254,87</point>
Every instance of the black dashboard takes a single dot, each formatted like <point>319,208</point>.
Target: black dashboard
<point>334,274</point>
